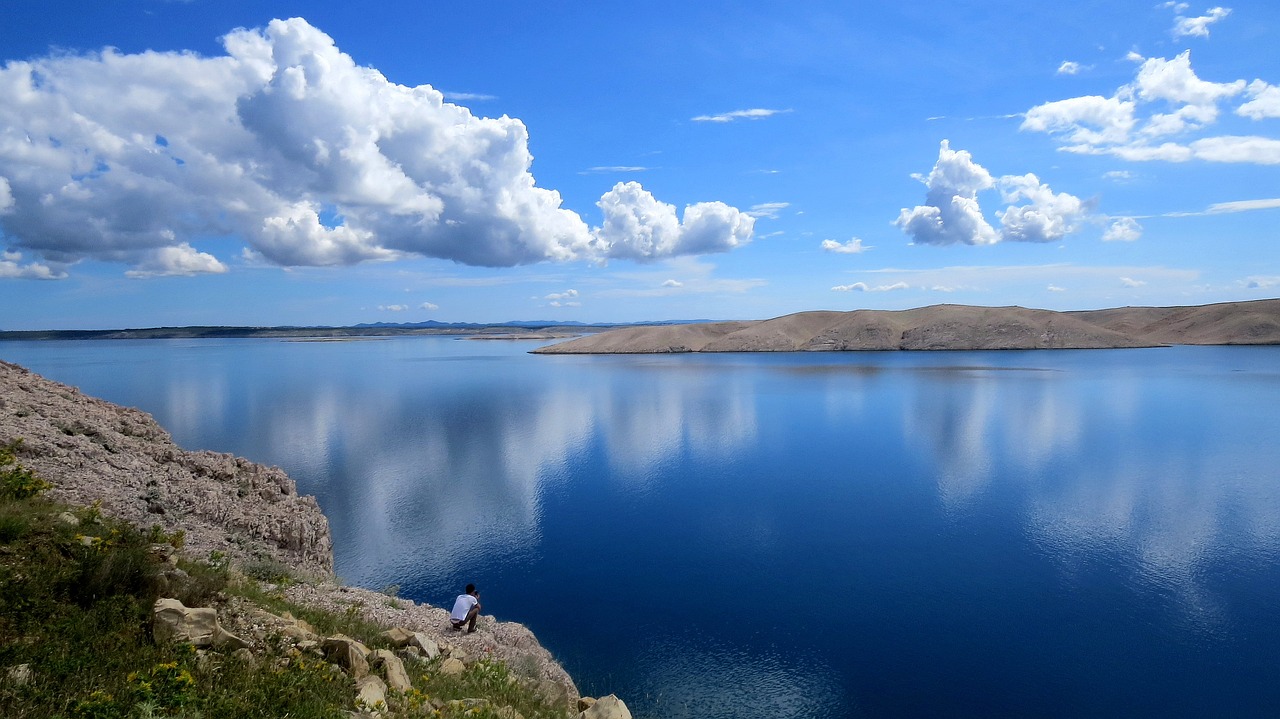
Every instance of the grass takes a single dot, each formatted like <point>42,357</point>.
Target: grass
<point>75,606</point>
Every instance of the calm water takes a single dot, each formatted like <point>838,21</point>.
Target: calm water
<point>817,535</point>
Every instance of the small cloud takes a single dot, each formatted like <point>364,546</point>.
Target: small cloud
<point>852,247</point>
<point>429,306</point>
<point>181,260</point>
<point>863,287</point>
<point>1118,175</point>
<point>757,113</point>
<point>11,269</point>
<point>1197,26</point>
<point>561,296</point>
<point>1069,67</point>
<point>1130,282</point>
<point>393,308</point>
<point>1220,208</point>
<point>673,283</point>
<point>1259,282</point>
<point>1123,229</point>
<point>768,209</point>
<point>1134,56</point>
<point>611,169</point>
<point>1055,288</point>
<point>467,96</point>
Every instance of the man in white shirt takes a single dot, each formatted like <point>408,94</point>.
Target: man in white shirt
<point>466,609</point>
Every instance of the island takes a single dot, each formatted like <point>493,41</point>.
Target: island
<point>951,327</point>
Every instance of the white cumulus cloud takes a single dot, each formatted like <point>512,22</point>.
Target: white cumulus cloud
<point>1122,229</point>
<point>1069,67</point>
<point>1162,116</point>
<point>951,213</point>
<point>429,306</point>
<point>852,247</point>
<point>1130,282</point>
<point>11,267</point>
<point>639,227</point>
<point>286,144</point>
<point>1197,26</point>
<point>181,260</point>
<point>1264,102</point>
<point>393,308</point>
<point>673,283</point>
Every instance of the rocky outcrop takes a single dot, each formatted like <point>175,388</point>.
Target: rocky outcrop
<point>95,451</point>
<point>198,626</point>
<point>950,327</point>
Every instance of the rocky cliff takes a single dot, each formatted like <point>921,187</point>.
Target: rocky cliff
<point>95,451</point>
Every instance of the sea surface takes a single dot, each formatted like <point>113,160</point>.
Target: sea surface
<point>962,534</point>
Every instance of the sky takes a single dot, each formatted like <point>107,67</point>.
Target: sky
<point>168,163</point>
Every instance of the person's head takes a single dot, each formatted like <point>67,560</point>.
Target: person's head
<point>471,589</point>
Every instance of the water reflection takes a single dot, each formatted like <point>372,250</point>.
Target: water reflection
<point>1103,475</point>
<point>437,479</point>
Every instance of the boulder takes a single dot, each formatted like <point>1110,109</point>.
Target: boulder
<point>425,644</point>
<point>347,653</point>
<point>398,636</point>
<point>585,703</point>
<point>197,626</point>
<point>610,707</point>
<point>392,667</point>
<point>452,667</point>
<point>371,693</point>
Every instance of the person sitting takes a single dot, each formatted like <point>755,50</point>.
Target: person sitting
<point>466,609</point>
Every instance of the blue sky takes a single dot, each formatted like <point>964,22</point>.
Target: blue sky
<point>333,163</point>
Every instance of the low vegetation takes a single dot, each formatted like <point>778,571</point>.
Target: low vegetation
<point>76,594</point>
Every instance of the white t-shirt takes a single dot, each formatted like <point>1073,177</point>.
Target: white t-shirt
<point>462,606</point>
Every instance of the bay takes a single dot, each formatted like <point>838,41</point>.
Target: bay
<point>1051,533</point>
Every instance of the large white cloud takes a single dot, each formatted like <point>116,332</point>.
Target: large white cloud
<point>287,143</point>
<point>1161,116</point>
<point>639,227</point>
<point>951,213</point>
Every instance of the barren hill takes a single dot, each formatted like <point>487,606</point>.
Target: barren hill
<point>951,327</point>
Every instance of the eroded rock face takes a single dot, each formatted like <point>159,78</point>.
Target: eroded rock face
<point>92,450</point>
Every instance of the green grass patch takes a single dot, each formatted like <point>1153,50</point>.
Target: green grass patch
<point>76,596</point>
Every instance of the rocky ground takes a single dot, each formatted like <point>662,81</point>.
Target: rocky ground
<point>95,451</point>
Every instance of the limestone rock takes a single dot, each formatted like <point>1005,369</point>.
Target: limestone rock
<point>425,644</point>
<point>398,636</point>
<point>90,449</point>
<point>452,667</point>
<point>609,707</point>
<point>349,654</point>
<point>371,693</point>
<point>173,621</point>
<point>509,712</point>
<point>392,667</point>
<point>585,703</point>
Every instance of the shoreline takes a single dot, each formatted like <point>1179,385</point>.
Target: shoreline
<point>97,452</point>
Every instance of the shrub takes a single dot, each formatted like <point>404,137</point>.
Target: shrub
<point>16,481</point>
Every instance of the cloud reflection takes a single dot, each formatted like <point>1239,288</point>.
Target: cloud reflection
<point>1099,476</point>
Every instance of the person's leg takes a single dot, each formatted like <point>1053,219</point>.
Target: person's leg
<point>471,619</point>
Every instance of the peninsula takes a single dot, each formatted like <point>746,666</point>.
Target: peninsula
<point>951,327</point>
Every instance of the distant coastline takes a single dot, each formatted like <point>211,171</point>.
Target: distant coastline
<point>951,327</point>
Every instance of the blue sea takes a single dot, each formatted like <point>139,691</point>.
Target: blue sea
<point>960,534</point>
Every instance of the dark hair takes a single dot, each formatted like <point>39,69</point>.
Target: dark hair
<point>471,588</point>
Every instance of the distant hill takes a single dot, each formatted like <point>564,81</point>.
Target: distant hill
<point>951,327</point>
